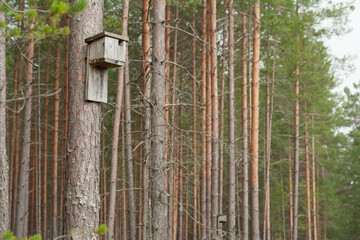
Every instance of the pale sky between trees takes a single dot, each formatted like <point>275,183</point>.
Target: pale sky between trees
<point>349,44</point>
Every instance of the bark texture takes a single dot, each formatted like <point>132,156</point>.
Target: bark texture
<point>231,166</point>
<point>21,222</point>
<point>83,146</point>
<point>254,150</point>
<point>245,143</point>
<point>4,168</point>
<point>157,166</point>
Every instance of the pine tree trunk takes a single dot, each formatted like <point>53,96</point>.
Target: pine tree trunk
<point>21,222</point>
<point>215,122</point>
<point>157,165</point>
<point>296,159</point>
<point>290,194</point>
<point>114,154</point>
<point>4,168</point>
<point>83,145</point>
<point>203,205</point>
<point>314,180</point>
<point>129,158</point>
<point>244,123</point>
<point>64,130</point>
<point>44,153</point>
<point>296,146</point>
<point>307,178</point>
<point>222,106</point>
<point>55,145</point>
<point>169,176</point>
<point>194,136</point>
<point>232,163</point>
<point>173,177</point>
<point>254,150</point>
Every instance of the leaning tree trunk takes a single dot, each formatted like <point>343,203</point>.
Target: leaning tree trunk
<point>83,146</point>
<point>157,165</point>
<point>21,222</point>
<point>254,150</point>
<point>4,168</point>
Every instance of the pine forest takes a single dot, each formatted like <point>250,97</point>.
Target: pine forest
<point>177,120</point>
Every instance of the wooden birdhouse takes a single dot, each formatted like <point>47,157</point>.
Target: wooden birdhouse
<point>105,50</point>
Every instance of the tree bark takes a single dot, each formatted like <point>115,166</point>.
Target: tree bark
<point>231,164</point>
<point>44,153</point>
<point>307,178</point>
<point>21,222</point>
<point>203,123</point>
<point>290,195</point>
<point>114,153</point>
<point>157,168</point>
<point>314,179</point>
<point>147,115</point>
<point>254,150</point>
<point>169,175</point>
<point>215,122</point>
<point>4,168</point>
<point>244,123</point>
<point>173,176</point>
<point>55,145</point>
<point>83,146</point>
<point>296,145</point>
<point>194,136</point>
<point>64,130</point>
<point>129,158</point>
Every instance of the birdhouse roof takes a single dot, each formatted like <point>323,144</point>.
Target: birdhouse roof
<point>106,34</point>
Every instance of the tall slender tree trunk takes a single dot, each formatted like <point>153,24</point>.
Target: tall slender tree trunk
<point>115,140</point>
<point>244,124</point>
<point>296,159</point>
<point>222,106</point>
<point>157,166</point>
<point>83,145</point>
<point>44,153</point>
<point>215,121</point>
<point>268,123</point>
<point>147,115</point>
<point>21,222</point>
<point>231,164</point>
<point>55,144</point>
<point>296,144</point>
<point>307,178</point>
<point>169,175</point>
<point>4,168</point>
<point>124,202</point>
<point>173,177</point>
<point>290,194</point>
<point>254,150</point>
<point>203,123</point>
<point>127,107</point>
<point>12,152</point>
<point>314,179</point>
<point>194,142</point>
<point>64,130</point>
<point>180,166</point>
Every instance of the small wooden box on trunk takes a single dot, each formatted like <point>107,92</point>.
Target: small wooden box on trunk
<point>105,50</point>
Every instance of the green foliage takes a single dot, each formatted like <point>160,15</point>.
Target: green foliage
<point>9,235</point>
<point>102,229</point>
